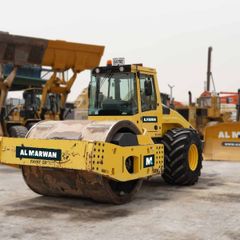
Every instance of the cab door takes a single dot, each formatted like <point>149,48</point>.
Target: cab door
<point>148,101</point>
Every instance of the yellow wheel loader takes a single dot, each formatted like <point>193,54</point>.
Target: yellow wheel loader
<point>21,117</point>
<point>14,117</point>
<point>222,141</point>
<point>22,59</point>
<point>129,136</point>
<point>207,110</point>
<point>220,134</point>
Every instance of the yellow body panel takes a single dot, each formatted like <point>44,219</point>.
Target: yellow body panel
<point>100,157</point>
<point>165,122</point>
<point>222,142</point>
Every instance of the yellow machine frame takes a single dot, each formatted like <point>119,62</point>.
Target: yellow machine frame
<point>82,155</point>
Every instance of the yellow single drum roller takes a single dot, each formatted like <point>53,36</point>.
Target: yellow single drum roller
<point>129,136</point>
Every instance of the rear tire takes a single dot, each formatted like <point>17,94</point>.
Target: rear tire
<point>183,156</point>
<point>18,131</point>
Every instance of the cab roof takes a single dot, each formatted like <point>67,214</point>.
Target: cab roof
<point>122,68</point>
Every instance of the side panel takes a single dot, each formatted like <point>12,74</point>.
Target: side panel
<point>158,121</point>
<point>99,157</point>
<point>174,120</point>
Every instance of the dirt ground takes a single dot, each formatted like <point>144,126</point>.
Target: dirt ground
<point>208,210</point>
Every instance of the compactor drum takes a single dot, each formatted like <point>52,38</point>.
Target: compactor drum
<point>61,182</point>
<point>129,136</point>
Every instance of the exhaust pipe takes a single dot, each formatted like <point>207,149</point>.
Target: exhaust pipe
<point>209,73</point>
<point>189,98</point>
<point>238,106</point>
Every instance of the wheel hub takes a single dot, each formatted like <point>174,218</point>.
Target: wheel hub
<point>193,157</point>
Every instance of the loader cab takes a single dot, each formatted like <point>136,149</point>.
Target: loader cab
<point>32,103</point>
<point>211,103</point>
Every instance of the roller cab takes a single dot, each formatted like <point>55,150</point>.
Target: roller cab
<point>131,92</point>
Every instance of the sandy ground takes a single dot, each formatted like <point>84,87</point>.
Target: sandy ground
<point>208,210</point>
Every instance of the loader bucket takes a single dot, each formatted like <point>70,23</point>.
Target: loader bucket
<point>60,55</point>
<point>222,142</point>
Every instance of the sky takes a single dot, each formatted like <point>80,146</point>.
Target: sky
<point>171,36</point>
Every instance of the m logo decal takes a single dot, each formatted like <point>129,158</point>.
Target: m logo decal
<point>148,161</point>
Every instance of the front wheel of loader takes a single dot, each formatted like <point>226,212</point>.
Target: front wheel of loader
<point>183,156</point>
<point>18,131</point>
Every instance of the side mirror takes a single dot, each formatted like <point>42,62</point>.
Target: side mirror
<point>148,87</point>
<point>89,89</point>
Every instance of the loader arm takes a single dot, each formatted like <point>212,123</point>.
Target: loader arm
<point>5,85</point>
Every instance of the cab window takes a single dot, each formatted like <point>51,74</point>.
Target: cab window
<point>147,91</point>
<point>113,94</point>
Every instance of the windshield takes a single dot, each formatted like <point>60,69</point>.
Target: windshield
<point>32,101</point>
<point>53,102</point>
<point>113,94</point>
<point>204,102</point>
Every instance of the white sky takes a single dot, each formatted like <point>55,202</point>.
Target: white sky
<point>171,36</point>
